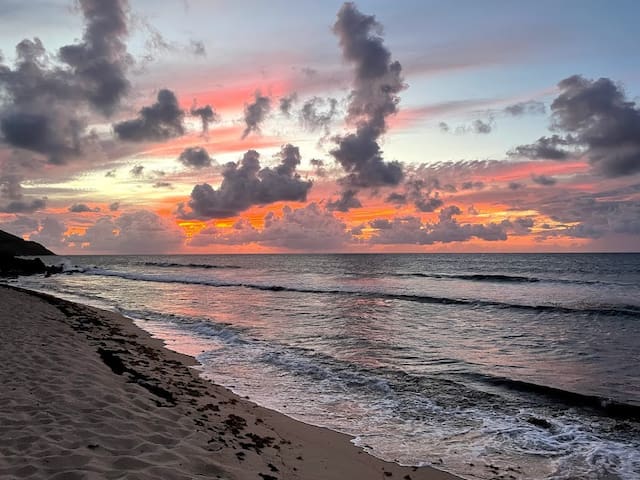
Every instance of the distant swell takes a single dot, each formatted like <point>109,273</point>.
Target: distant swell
<point>610,407</point>
<point>185,265</point>
<point>631,310</point>
<point>499,278</point>
<point>474,277</point>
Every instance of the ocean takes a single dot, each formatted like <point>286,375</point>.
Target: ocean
<point>467,362</point>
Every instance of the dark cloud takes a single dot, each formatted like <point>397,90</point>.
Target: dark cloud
<point>162,185</point>
<point>419,191</point>
<point>346,202</point>
<point>481,127</point>
<point>472,185</point>
<point>530,107</point>
<point>522,226</point>
<point>245,184</point>
<point>137,170</point>
<point>12,198</point>
<point>397,198</point>
<point>114,207</point>
<point>207,115</point>
<point>110,174</point>
<point>543,180</point>
<point>376,84</point>
<point>255,113</point>
<point>592,215</point>
<point>515,185</point>
<point>599,122</point>
<point>195,157</point>
<point>544,148</point>
<point>478,127</point>
<point>381,224</point>
<point>429,204</point>
<point>40,103</point>
<point>101,60</point>
<point>197,48</point>
<point>23,206</point>
<point>44,98</point>
<point>317,113</point>
<point>318,166</point>
<point>286,103</point>
<point>160,121</point>
<point>82,208</point>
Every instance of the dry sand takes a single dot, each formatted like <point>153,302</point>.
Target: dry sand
<point>84,393</point>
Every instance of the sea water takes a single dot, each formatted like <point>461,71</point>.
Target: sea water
<point>529,364</point>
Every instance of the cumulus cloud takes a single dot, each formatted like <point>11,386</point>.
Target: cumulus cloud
<point>197,48</point>
<point>411,230</point>
<point>255,113</point>
<point>419,191</point>
<point>140,232</point>
<point>286,103</point>
<point>477,185</point>
<point>481,126</point>
<point>346,202</point>
<point>544,148</point>
<point>477,126</point>
<point>245,184</point>
<point>20,225</point>
<point>195,157</point>
<point>160,121</point>
<point>82,208</point>
<point>543,180</point>
<point>114,207</point>
<point>44,103</point>
<point>100,61</point>
<point>318,166</point>
<point>376,84</point>
<point>317,113</point>
<point>531,107</point>
<point>50,233</point>
<point>12,198</point>
<point>207,115</point>
<point>137,170</point>
<point>309,228</point>
<point>598,121</point>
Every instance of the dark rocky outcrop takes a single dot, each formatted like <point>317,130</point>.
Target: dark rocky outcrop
<point>16,246</point>
<point>11,266</point>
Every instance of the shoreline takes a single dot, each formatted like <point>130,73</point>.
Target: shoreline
<point>129,404</point>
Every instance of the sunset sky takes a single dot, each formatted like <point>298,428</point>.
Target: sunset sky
<point>208,126</point>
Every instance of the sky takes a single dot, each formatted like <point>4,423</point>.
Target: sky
<point>211,126</point>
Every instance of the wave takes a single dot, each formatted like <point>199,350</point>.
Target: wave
<point>473,277</point>
<point>501,278</point>
<point>607,406</point>
<point>609,310</point>
<point>185,265</point>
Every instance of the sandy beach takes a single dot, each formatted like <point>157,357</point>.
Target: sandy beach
<point>87,394</point>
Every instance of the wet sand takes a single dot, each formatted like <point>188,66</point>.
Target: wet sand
<point>87,394</point>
